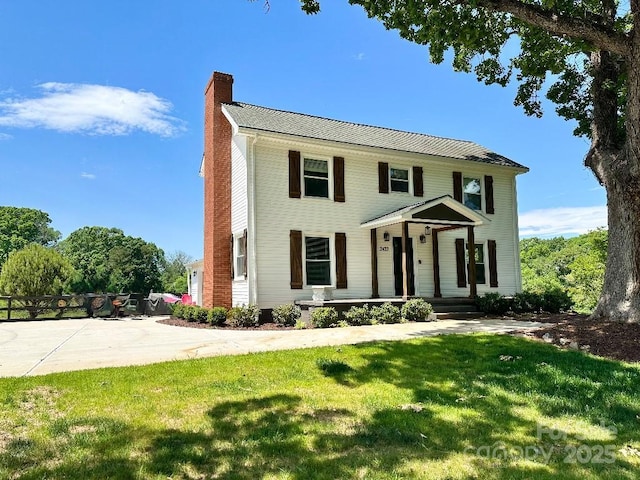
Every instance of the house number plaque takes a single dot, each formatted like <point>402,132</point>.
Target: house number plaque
<point>384,249</point>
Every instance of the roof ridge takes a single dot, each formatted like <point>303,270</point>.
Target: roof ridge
<point>358,124</point>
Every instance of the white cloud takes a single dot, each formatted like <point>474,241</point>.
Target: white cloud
<point>5,136</point>
<point>562,221</point>
<point>359,56</point>
<point>88,176</point>
<point>91,109</point>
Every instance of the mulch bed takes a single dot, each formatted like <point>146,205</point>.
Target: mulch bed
<point>618,341</point>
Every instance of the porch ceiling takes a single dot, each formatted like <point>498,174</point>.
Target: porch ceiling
<point>441,211</point>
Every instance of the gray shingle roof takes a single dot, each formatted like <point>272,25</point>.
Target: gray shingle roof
<point>308,126</point>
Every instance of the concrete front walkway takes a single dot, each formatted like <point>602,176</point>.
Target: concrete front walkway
<point>36,348</point>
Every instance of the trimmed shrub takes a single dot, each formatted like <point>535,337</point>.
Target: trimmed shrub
<point>244,316</point>
<point>191,313</point>
<point>324,317</point>
<point>386,313</point>
<point>300,325</point>
<point>201,314</point>
<point>416,310</point>
<point>526,302</point>
<point>177,310</point>
<point>217,316</point>
<point>286,315</point>
<point>358,315</point>
<point>555,300</point>
<point>494,303</point>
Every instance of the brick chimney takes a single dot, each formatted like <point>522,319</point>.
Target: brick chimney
<point>216,289</point>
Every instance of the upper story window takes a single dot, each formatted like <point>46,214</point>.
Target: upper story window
<point>316,178</point>
<point>472,193</point>
<point>318,261</point>
<point>399,179</point>
<point>240,251</point>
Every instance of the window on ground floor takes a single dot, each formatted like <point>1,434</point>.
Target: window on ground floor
<point>480,275</point>
<point>317,261</point>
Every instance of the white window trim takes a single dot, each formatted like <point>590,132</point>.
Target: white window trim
<point>324,158</point>
<point>480,178</point>
<point>409,179</point>
<point>332,257</point>
<point>237,276</point>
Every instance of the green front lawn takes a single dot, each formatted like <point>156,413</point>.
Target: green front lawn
<point>455,407</point>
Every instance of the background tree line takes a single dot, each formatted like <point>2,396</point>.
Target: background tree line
<point>575,265</point>
<point>33,260</point>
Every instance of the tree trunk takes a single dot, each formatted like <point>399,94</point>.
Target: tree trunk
<point>620,299</point>
<point>616,163</point>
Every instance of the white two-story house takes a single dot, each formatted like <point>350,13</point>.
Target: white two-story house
<point>297,204</point>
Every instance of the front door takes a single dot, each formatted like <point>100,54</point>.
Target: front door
<point>397,266</point>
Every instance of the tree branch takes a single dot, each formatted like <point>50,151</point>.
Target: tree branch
<point>601,36</point>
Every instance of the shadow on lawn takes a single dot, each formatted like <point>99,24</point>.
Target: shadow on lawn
<point>284,435</point>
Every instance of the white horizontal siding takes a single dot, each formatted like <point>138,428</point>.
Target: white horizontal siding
<point>277,214</point>
<point>239,212</point>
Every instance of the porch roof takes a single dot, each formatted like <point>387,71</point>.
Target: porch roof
<point>438,212</point>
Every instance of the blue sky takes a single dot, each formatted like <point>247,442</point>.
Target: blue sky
<point>101,107</point>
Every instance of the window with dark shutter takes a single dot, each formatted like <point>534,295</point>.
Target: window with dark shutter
<point>461,264</point>
<point>488,193</point>
<point>383,177</point>
<point>295,254</point>
<point>418,187</point>
<point>341,260</point>
<point>457,186</point>
<point>244,249</point>
<point>338,179</point>
<point>232,257</point>
<point>493,264</point>
<point>294,174</point>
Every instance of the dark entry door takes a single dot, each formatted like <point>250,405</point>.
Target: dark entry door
<point>397,265</point>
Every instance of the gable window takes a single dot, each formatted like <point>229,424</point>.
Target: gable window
<point>316,178</point>
<point>399,179</point>
<point>480,277</point>
<point>318,261</point>
<point>240,249</point>
<point>472,193</point>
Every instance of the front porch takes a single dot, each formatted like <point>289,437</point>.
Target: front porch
<point>426,220</point>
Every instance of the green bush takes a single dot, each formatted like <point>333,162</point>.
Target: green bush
<point>525,302</point>
<point>358,315</point>
<point>201,314</point>
<point>217,316</point>
<point>416,310</point>
<point>556,300</point>
<point>244,316</point>
<point>386,313</point>
<point>286,315</point>
<point>190,313</point>
<point>177,310</point>
<point>324,317</point>
<point>494,303</point>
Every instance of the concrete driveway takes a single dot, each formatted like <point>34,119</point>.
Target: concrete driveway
<point>37,348</point>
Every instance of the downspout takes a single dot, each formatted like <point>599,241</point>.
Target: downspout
<point>251,201</point>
